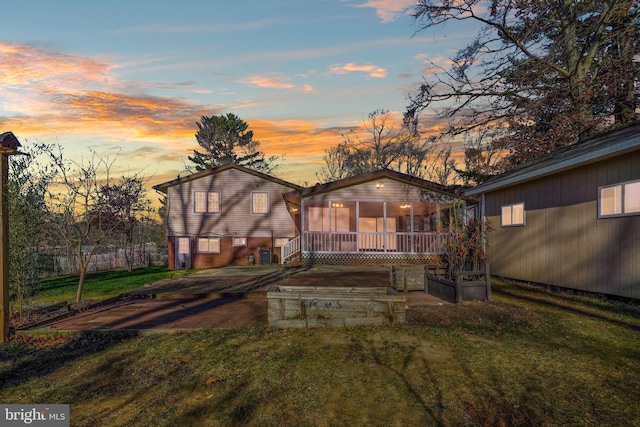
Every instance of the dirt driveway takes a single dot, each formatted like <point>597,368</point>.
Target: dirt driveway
<point>218,298</point>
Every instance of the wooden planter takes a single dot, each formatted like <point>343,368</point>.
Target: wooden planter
<point>411,277</point>
<point>302,306</point>
<point>468,286</point>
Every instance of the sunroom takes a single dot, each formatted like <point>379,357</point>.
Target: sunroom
<point>384,216</point>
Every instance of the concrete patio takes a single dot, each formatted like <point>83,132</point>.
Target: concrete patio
<point>219,298</point>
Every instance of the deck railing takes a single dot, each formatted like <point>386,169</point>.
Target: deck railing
<point>289,249</point>
<point>430,243</point>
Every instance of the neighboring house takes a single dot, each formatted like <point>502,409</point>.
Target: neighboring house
<point>383,217</point>
<point>223,216</point>
<point>570,219</point>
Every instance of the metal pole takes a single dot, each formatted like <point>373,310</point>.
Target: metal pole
<point>4,249</point>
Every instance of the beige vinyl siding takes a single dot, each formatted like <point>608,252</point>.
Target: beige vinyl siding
<point>235,216</point>
<point>564,243</point>
<point>390,191</point>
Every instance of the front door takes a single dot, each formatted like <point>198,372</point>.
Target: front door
<point>183,253</point>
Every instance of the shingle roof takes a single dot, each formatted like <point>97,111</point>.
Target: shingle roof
<point>181,180</point>
<point>371,176</point>
<point>600,147</point>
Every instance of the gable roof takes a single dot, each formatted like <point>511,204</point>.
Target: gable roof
<point>371,176</point>
<point>181,180</point>
<point>600,147</point>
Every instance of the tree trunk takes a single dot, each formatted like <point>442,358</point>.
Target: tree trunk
<point>83,270</point>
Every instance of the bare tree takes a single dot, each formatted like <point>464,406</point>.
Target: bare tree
<point>77,206</point>
<point>443,167</point>
<point>388,145</point>
<point>539,74</point>
<point>27,188</point>
<point>121,209</point>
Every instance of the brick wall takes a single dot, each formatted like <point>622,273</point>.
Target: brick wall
<point>229,254</point>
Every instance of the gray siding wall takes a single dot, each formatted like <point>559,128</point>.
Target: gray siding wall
<point>563,242</point>
<point>391,191</point>
<point>235,189</point>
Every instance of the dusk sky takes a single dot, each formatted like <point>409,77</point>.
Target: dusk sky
<point>133,77</point>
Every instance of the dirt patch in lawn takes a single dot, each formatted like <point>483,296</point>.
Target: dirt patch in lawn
<point>473,313</point>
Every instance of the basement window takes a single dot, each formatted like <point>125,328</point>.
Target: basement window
<point>239,241</point>
<point>209,245</point>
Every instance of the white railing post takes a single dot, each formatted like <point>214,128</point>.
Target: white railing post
<point>290,248</point>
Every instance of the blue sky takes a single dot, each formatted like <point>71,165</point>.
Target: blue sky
<point>133,77</point>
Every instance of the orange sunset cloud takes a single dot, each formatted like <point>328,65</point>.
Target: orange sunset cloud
<point>371,70</point>
<point>268,82</point>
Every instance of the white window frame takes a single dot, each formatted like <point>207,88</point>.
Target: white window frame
<point>280,241</point>
<point>253,204</point>
<point>239,241</point>
<point>207,209</point>
<point>511,210</point>
<point>621,201</point>
<point>209,241</point>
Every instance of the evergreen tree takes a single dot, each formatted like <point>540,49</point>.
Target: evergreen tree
<point>225,139</point>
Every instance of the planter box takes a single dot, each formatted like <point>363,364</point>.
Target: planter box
<point>469,286</point>
<point>302,306</point>
<point>413,275</point>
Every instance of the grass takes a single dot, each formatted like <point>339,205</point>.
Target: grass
<point>102,285</point>
<point>528,358</point>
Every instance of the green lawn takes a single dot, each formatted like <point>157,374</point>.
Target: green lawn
<point>528,358</point>
<point>102,285</point>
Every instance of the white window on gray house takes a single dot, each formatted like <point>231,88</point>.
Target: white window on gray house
<point>259,202</point>
<point>206,201</point>
<point>281,241</point>
<point>620,199</point>
<point>512,215</point>
<point>209,245</point>
<point>239,241</point>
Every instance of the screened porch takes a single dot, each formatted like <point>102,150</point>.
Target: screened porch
<point>374,227</point>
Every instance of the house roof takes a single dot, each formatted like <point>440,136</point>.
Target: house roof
<point>600,147</point>
<point>181,180</point>
<point>371,176</point>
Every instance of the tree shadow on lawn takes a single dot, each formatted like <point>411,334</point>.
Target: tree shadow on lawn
<point>223,284</point>
<point>571,304</point>
<point>206,312</point>
<point>436,383</point>
<point>32,357</point>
